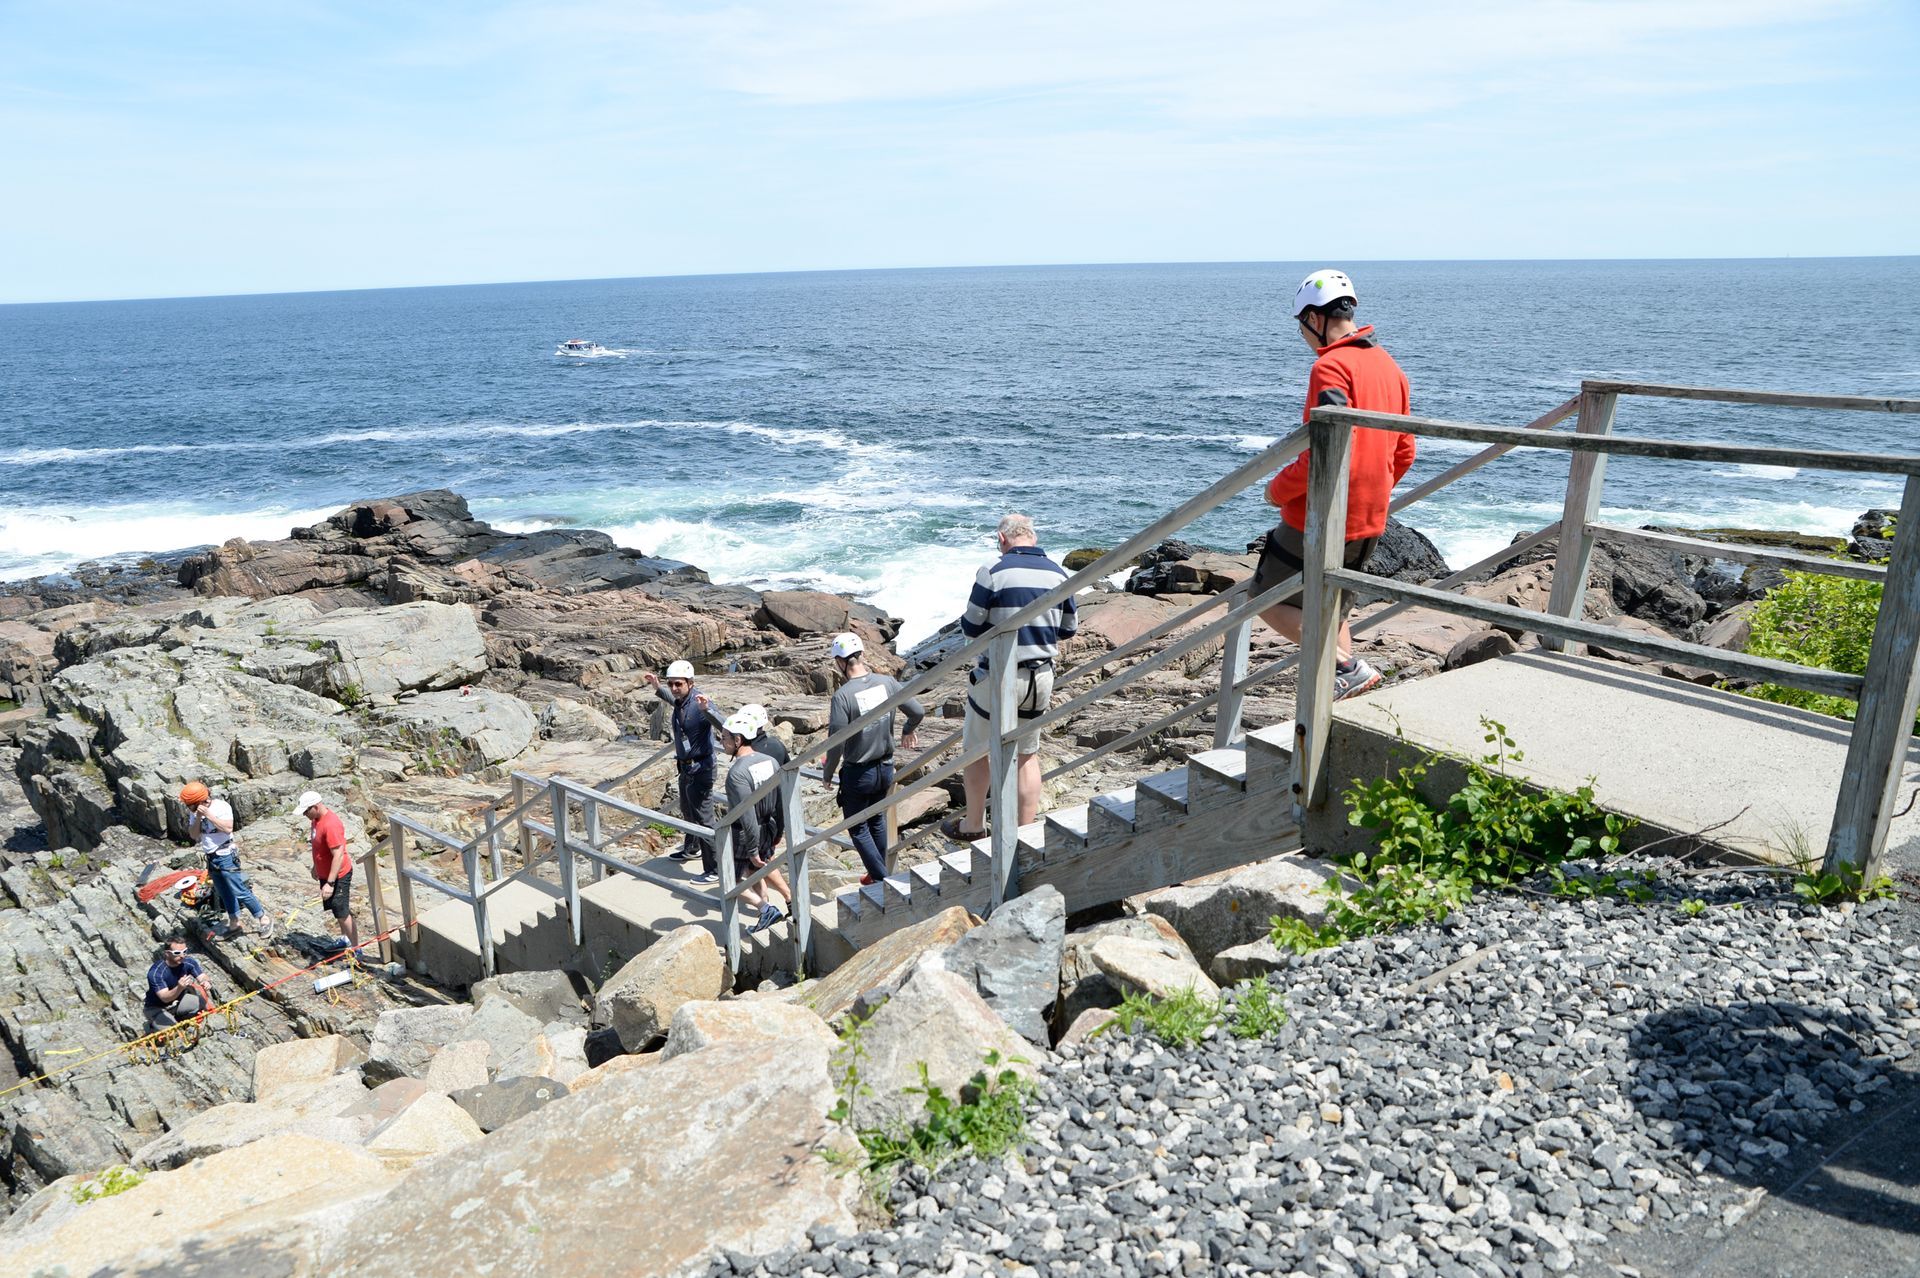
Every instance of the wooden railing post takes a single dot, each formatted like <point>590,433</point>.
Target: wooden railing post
<point>493,845</point>
<point>729,903</point>
<point>796,825</point>
<point>563,854</point>
<point>526,835</point>
<point>377,902</point>
<point>590,829</point>
<point>482,928</point>
<point>1233,668</point>
<point>409,934</point>
<point>1889,698</point>
<point>1586,478</point>
<point>1320,610</point>
<point>1003,801</point>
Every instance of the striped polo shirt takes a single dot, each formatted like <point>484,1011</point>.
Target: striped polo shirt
<point>1006,586</point>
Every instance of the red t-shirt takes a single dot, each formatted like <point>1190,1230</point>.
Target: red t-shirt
<point>329,834</point>
<point>1354,373</point>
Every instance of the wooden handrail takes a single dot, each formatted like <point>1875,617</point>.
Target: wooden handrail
<point>1627,446</point>
<point>1777,399</point>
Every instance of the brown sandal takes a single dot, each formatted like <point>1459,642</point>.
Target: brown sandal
<point>951,828</point>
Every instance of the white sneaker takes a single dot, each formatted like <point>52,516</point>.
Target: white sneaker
<point>1361,678</point>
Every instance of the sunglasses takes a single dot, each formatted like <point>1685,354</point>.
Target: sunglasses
<point>176,954</point>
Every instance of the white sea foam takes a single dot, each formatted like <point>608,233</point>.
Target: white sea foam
<point>52,538</point>
<point>1754,470</point>
<point>50,456</point>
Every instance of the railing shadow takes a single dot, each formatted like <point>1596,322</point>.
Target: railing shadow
<point>1729,1081</point>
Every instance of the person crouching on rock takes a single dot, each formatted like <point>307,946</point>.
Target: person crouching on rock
<point>332,866</point>
<point>693,725</point>
<point>176,986</point>
<point>865,764</point>
<point>210,824</point>
<point>1350,371</point>
<point>748,772</point>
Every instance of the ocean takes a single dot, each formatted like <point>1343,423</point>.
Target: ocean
<point>862,431</point>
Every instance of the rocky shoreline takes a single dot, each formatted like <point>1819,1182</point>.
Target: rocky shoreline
<point>402,656</point>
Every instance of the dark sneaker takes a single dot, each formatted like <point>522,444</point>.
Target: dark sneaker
<point>685,854</point>
<point>706,878</point>
<point>1351,683</point>
<point>769,915</point>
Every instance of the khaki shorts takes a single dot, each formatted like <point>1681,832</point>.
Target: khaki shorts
<point>1033,689</point>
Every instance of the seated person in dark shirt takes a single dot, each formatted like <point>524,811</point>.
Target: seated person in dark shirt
<point>176,987</point>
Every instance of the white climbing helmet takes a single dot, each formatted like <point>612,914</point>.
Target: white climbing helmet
<point>680,670</point>
<point>741,724</point>
<point>756,715</point>
<point>847,644</point>
<point>1322,287</point>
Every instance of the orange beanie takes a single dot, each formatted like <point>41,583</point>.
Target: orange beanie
<point>193,792</point>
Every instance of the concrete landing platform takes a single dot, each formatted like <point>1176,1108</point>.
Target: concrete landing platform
<point>1678,757</point>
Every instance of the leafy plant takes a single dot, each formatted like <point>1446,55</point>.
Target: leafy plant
<point>351,695</point>
<point>114,1180</point>
<point>987,1119</point>
<point>1258,1010</point>
<point>1180,1020</point>
<point>1813,619</point>
<point>1693,907</point>
<point>1818,887</point>
<point>1427,860</point>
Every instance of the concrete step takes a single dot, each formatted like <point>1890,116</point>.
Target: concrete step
<point>526,918</point>
<point>1066,831</point>
<point>1110,819</point>
<point>1216,776</point>
<point>1270,760</point>
<point>1160,802</point>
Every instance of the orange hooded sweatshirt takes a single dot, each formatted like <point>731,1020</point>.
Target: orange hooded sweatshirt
<point>1353,373</point>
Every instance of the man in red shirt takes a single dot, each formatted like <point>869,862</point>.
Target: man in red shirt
<point>1351,371</point>
<point>332,866</point>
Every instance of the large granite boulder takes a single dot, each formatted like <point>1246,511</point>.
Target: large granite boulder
<point>564,719</point>
<point>639,1001</point>
<point>1083,985</point>
<point>381,652</point>
<point>755,1182</point>
<point>698,1027</point>
<point>1239,907</point>
<point>876,968</point>
<point>545,996</point>
<point>1013,960</point>
<point>406,1038</point>
<point>275,1187</point>
<point>494,1105</point>
<point>936,1020</point>
<point>431,1125</point>
<point>286,1068</point>
<point>1145,967</point>
<point>472,728</point>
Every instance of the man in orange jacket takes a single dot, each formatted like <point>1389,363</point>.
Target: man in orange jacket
<point>1351,371</point>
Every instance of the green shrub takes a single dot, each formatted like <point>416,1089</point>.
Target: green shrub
<point>1427,861</point>
<point>1257,1010</point>
<point>1812,619</point>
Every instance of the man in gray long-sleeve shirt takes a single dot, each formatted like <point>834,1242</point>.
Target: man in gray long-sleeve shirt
<point>748,772</point>
<point>865,764</point>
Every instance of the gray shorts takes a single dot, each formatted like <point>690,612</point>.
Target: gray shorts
<point>1033,691</point>
<point>1281,557</point>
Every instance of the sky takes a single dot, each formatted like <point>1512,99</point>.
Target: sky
<point>203,148</point>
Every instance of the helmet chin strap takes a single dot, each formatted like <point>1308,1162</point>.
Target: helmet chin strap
<point>1319,334</point>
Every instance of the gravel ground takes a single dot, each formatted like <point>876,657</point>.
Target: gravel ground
<point>1501,1094</point>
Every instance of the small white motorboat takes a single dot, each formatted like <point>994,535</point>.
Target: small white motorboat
<point>581,348</point>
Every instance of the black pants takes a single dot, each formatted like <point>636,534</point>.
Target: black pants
<point>861,786</point>
<point>696,805</point>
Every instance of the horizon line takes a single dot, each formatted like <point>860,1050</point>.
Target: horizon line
<point>972,266</point>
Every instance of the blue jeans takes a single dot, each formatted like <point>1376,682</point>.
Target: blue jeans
<point>696,805</point>
<point>862,785</point>
<point>230,886</point>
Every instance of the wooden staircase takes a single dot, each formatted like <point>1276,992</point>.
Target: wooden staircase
<point>1223,808</point>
